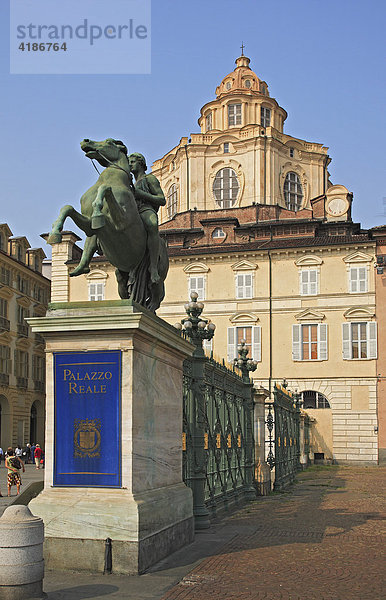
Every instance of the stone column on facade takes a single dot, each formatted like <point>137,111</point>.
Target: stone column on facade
<point>262,470</point>
<point>303,454</point>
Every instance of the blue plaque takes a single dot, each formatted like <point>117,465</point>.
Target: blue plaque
<point>87,419</point>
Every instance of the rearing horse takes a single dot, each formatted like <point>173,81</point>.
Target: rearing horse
<point>110,219</point>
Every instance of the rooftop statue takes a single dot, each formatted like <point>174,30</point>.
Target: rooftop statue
<point>120,220</point>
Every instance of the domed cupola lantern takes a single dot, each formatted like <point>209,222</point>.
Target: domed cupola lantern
<point>242,79</point>
<point>242,99</point>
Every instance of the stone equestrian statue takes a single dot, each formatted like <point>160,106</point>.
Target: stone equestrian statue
<point>120,221</point>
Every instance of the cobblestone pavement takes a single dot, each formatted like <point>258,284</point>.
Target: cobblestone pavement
<point>323,540</point>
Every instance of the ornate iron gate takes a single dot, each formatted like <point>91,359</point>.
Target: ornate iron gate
<point>283,424</point>
<point>217,439</point>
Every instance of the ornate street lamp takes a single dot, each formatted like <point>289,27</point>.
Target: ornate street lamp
<point>198,329</point>
<point>194,326</point>
<point>246,365</point>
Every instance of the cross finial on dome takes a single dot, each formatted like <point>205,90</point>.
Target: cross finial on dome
<point>242,48</point>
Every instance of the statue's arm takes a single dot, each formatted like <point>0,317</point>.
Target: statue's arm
<point>156,197</point>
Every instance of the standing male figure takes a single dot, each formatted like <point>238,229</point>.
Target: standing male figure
<point>149,197</point>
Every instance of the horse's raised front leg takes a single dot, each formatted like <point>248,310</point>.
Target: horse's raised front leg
<point>118,215</point>
<point>98,219</point>
<point>80,220</point>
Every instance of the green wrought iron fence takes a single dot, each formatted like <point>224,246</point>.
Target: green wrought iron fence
<point>221,458</point>
<point>283,424</point>
<point>217,438</point>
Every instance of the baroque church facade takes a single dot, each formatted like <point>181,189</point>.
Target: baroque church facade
<point>255,226</point>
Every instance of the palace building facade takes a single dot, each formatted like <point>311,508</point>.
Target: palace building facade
<point>24,292</point>
<point>254,225</point>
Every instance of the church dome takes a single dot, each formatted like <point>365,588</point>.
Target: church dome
<point>242,79</point>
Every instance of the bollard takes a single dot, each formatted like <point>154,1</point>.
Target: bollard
<point>21,554</point>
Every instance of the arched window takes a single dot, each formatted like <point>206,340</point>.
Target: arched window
<point>226,187</point>
<point>172,201</point>
<point>293,191</point>
<point>218,233</point>
<point>313,399</point>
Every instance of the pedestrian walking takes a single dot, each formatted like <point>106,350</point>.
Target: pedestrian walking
<point>33,447</point>
<point>28,453</point>
<point>38,455</point>
<point>1,455</point>
<point>13,464</point>
<point>18,451</point>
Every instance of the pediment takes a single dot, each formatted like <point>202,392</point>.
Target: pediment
<point>23,344</point>
<point>23,301</point>
<point>196,267</point>
<point>244,317</point>
<point>358,257</point>
<point>310,315</point>
<point>359,312</point>
<point>310,260</point>
<point>96,274</point>
<point>6,292</point>
<point>5,337</point>
<point>244,265</point>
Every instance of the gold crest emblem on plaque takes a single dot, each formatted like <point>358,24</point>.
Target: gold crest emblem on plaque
<point>87,438</point>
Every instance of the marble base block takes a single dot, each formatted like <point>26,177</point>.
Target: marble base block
<point>151,515</point>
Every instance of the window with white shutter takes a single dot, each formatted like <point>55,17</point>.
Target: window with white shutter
<point>231,346</point>
<point>244,285</point>
<point>252,337</point>
<point>207,346</point>
<point>358,281</point>
<point>359,340</point>
<point>308,282</point>
<point>96,291</point>
<point>309,342</point>
<point>196,283</point>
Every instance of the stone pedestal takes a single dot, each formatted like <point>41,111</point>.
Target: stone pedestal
<point>21,554</point>
<point>150,515</point>
<point>262,470</point>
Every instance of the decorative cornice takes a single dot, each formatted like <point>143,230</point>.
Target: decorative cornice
<point>358,257</point>
<point>196,267</point>
<point>310,315</point>
<point>244,265</point>
<point>359,312</point>
<point>243,317</point>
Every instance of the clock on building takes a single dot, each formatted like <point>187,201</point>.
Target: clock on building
<point>337,207</point>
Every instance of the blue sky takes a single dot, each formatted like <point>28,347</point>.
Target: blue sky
<point>323,62</point>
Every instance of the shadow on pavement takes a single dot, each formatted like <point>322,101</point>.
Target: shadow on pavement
<point>81,592</point>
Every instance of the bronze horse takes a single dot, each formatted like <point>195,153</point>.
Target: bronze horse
<point>110,219</point>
